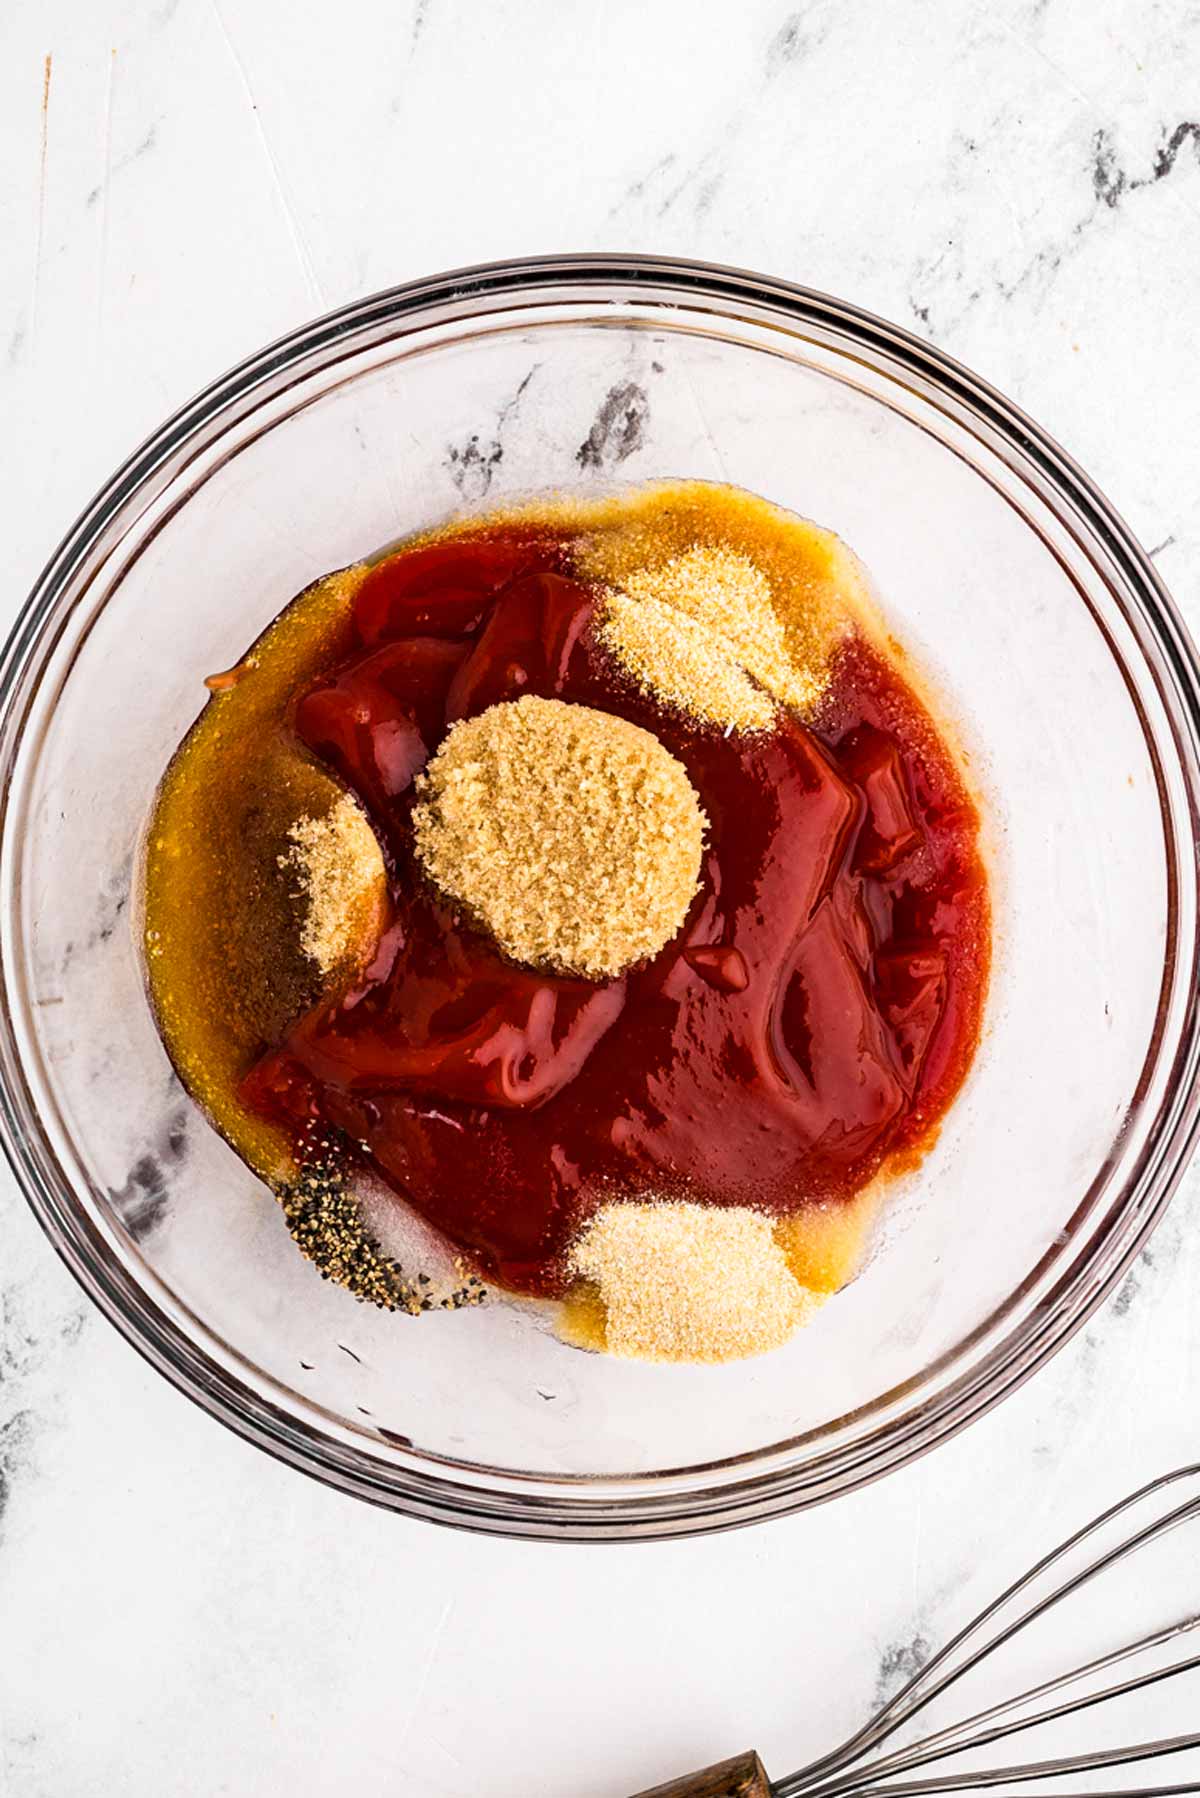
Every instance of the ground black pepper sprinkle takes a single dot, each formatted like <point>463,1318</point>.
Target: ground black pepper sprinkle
<point>326,1224</point>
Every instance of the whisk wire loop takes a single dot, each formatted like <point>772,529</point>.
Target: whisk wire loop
<point>857,1769</point>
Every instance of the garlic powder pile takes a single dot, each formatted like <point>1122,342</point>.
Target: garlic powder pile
<point>730,598</point>
<point>685,663</point>
<point>686,1282</point>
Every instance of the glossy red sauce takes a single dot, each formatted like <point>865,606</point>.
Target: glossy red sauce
<point>816,1013</point>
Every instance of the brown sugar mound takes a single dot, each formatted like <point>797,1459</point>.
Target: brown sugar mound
<point>342,878</point>
<point>572,836</point>
<point>686,1282</point>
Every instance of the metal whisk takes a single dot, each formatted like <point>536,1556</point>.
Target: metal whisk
<point>1104,1605</point>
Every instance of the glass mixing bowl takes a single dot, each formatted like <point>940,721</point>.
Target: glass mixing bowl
<point>1054,645</point>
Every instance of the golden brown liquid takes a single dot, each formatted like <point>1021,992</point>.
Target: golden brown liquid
<point>222,920</point>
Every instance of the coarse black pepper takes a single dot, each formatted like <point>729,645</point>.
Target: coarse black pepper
<point>326,1223</point>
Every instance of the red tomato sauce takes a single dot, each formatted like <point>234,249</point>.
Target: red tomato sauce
<point>815,1015</point>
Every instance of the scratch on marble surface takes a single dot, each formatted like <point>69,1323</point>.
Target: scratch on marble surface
<point>144,145</point>
<point>420,20</point>
<point>712,438</point>
<point>101,193</point>
<point>40,230</point>
<point>292,223</point>
<point>455,1760</point>
<point>704,177</point>
<point>426,1670</point>
<point>992,17</point>
<point>636,189</point>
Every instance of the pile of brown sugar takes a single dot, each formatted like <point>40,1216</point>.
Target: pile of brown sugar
<point>686,1282</point>
<point>571,835</point>
<point>340,867</point>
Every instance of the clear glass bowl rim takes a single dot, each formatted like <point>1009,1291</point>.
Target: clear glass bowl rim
<point>764,1482</point>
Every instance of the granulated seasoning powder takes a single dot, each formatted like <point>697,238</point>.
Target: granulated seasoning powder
<point>730,598</point>
<point>340,867</point>
<point>683,662</point>
<point>686,1282</point>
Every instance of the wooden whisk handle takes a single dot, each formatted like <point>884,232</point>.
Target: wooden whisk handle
<point>742,1777</point>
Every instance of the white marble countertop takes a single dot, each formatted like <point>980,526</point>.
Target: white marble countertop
<point>186,179</point>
